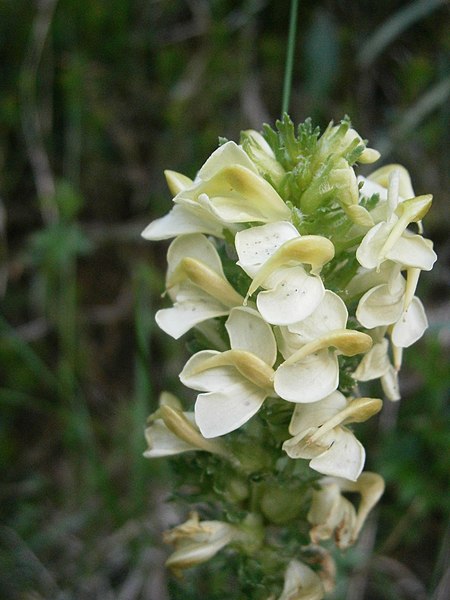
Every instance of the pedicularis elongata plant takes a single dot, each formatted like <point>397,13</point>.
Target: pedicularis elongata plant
<point>295,278</point>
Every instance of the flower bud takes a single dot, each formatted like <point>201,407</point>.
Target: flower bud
<point>262,156</point>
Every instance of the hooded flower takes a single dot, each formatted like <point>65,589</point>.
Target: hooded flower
<point>183,218</point>
<point>376,364</point>
<point>390,240</point>
<point>228,190</point>
<point>197,541</point>
<point>333,515</point>
<point>393,303</point>
<point>197,285</point>
<point>171,431</point>
<point>274,256</point>
<point>320,434</point>
<point>378,183</point>
<point>301,583</point>
<point>311,347</point>
<point>236,382</point>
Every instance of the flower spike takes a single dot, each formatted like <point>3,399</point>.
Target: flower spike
<point>295,281</point>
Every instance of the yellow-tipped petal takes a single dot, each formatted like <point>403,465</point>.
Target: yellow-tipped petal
<point>362,409</point>
<point>168,399</point>
<point>179,425</point>
<point>346,341</point>
<point>206,279</point>
<point>357,411</point>
<point>240,195</point>
<point>414,209</point>
<point>369,156</point>
<point>177,182</point>
<point>250,366</point>
<point>313,250</point>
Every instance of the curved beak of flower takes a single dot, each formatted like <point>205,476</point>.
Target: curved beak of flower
<point>206,279</point>
<point>250,366</point>
<point>371,487</point>
<point>409,211</point>
<point>197,541</point>
<point>237,187</point>
<point>262,155</point>
<point>346,341</point>
<point>357,411</point>
<point>180,426</point>
<point>177,182</point>
<point>314,250</point>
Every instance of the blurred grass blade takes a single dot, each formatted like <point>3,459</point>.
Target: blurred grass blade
<point>28,356</point>
<point>22,575</point>
<point>3,251</point>
<point>321,56</point>
<point>16,398</point>
<point>412,118</point>
<point>143,390</point>
<point>430,101</point>
<point>393,27</point>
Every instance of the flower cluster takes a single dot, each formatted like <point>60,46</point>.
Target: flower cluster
<point>298,280</point>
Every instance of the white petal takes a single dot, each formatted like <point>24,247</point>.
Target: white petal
<point>370,188</point>
<point>379,307</point>
<point>235,194</point>
<point>191,310</point>
<point>369,278</point>
<point>344,458</point>
<point>411,325</point>
<point>412,250</point>
<point>162,442</point>
<point>257,244</point>
<point>329,315</point>
<point>301,583</point>
<point>316,413</point>
<point>374,364</point>
<point>383,174</point>
<point>369,251</point>
<point>227,155</point>
<point>308,380</point>
<point>182,220</point>
<point>209,380</point>
<point>193,246</point>
<point>294,297</point>
<point>390,385</point>
<point>300,445</point>
<point>248,331</point>
<point>220,412</point>
<point>288,343</point>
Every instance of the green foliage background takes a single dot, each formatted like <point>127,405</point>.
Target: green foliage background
<point>98,97</point>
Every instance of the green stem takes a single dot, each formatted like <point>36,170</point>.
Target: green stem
<point>289,57</point>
